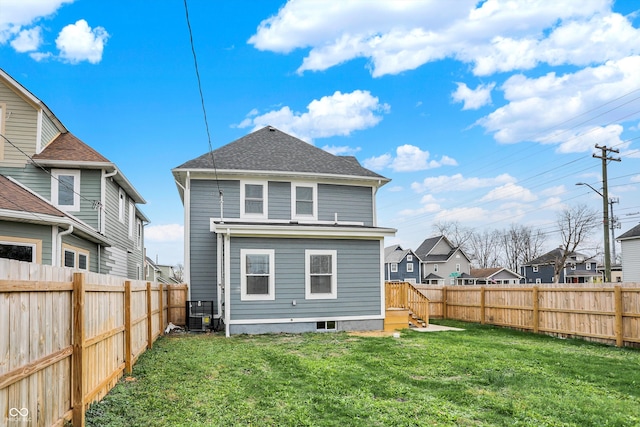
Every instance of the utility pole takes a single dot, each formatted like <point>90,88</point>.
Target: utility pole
<point>614,224</point>
<point>604,156</point>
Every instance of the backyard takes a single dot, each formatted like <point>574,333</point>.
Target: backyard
<point>481,376</point>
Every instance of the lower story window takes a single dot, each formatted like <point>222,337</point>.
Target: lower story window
<point>74,257</point>
<point>257,278</point>
<point>321,274</point>
<point>18,251</point>
<point>326,326</point>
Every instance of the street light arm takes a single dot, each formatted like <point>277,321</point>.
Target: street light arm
<point>584,183</point>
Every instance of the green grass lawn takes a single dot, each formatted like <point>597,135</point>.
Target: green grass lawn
<point>482,376</point>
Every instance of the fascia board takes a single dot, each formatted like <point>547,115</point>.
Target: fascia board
<point>301,232</point>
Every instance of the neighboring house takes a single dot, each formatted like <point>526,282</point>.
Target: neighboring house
<point>283,236</point>
<point>164,274</point>
<point>491,276</point>
<point>401,265</point>
<point>630,242</point>
<point>75,208</point>
<point>442,263</point>
<point>578,268</point>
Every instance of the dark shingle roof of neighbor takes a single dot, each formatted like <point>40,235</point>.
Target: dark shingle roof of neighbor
<point>634,232</point>
<point>270,149</point>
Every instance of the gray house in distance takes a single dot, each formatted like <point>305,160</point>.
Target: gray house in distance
<point>578,268</point>
<point>283,236</point>
<point>401,265</point>
<point>62,202</point>
<point>442,262</point>
<point>630,242</point>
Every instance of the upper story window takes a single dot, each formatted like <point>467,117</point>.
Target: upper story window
<point>138,233</point>
<point>535,268</point>
<point>409,267</point>
<point>458,268</point>
<point>257,274</point>
<point>122,199</point>
<point>409,258</point>
<point>132,219</point>
<point>253,203</point>
<point>65,189</point>
<point>303,203</point>
<point>321,280</point>
<point>588,266</point>
<point>435,268</point>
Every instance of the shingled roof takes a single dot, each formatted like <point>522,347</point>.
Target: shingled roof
<point>272,150</point>
<point>68,147</point>
<point>634,232</point>
<point>14,197</point>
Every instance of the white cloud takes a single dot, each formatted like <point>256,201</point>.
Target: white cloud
<point>164,233</point>
<point>462,215</point>
<point>494,35</point>
<point>409,158</point>
<point>18,14</point>
<point>473,98</point>
<point>79,42</point>
<point>458,182</point>
<point>341,150</point>
<point>395,189</point>
<point>27,40</point>
<point>558,190</point>
<point>39,56</point>
<point>509,191</point>
<point>635,178</point>
<point>337,114</point>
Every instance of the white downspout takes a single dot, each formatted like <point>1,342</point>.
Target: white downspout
<point>59,242</point>
<point>103,202</point>
<point>227,282</point>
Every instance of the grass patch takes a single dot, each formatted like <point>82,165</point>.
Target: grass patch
<point>482,376</point>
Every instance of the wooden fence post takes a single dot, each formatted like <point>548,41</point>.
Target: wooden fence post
<point>444,302</point>
<point>536,310</point>
<point>617,293</point>
<point>161,306</point>
<point>482,304</point>
<point>127,327</point>
<point>77,372</point>
<point>149,318</point>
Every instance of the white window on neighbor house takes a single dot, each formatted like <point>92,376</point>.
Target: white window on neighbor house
<point>538,281</point>
<point>122,200</point>
<point>435,268</point>
<point>19,249</point>
<point>138,233</point>
<point>254,201</point>
<point>409,258</point>
<point>573,266</point>
<point>321,274</point>
<point>132,219</point>
<point>535,268</point>
<point>326,326</point>
<point>65,189</point>
<point>409,267</point>
<point>257,278</point>
<point>588,266</point>
<point>458,268</point>
<point>394,267</point>
<point>452,281</point>
<point>303,201</point>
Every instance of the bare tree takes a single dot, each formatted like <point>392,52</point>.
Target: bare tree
<point>484,248</point>
<point>178,272</point>
<point>576,225</point>
<point>457,234</point>
<point>520,244</point>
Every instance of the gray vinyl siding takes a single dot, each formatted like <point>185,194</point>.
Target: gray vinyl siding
<point>49,131</point>
<point>279,200</point>
<point>351,203</point>
<point>21,126</point>
<point>32,177</point>
<point>90,193</point>
<point>631,260</point>
<point>441,248</point>
<point>30,231</point>
<point>358,278</point>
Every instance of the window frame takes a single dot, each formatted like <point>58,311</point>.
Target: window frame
<point>55,189</point>
<point>409,258</point>
<point>394,267</point>
<point>534,268</point>
<point>538,281</point>
<point>588,266</point>
<point>271,295</point>
<point>435,268</point>
<point>77,253</point>
<point>139,233</point>
<point>265,200</point>
<point>334,274</point>
<point>122,203</point>
<point>132,219</point>
<point>409,267</point>
<point>458,269</point>
<point>294,201</point>
<point>34,244</point>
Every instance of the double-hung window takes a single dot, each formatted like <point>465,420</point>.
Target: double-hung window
<point>303,203</point>
<point>132,219</point>
<point>122,199</point>
<point>409,267</point>
<point>65,189</point>
<point>394,267</point>
<point>254,199</point>
<point>257,274</point>
<point>321,275</point>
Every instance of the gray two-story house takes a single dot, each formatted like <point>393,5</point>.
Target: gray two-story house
<point>401,265</point>
<point>64,203</point>
<point>578,268</point>
<point>283,237</point>
<point>442,262</point>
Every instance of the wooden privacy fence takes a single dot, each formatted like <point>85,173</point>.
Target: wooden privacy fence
<point>405,295</point>
<point>604,314</point>
<point>67,337</point>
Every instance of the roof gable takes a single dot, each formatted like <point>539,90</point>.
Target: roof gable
<point>68,147</point>
<point>427,246</point>
<point>631,234</point>
<point>271,150</point>
<point>13,197</point>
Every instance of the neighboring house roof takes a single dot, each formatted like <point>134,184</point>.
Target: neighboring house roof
<point>68,151</point>
<point>634,233</point>
<point>426,254</point>
<point>554,254</point>
<point>395,254</point>
<point>488,273</point>
<point>19,204</point>
<point>432,276</point>
<point>426,246</point>
<point>271,150</point>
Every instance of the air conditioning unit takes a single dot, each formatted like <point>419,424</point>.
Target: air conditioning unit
<point>199,315</point>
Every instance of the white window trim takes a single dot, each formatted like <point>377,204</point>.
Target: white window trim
<point>410,258</point>
<point>588,266</point>
<point>538,281</point>
<point>314,198</point>
<point>139,233</point>
<point>334,274</point>
<point>35,246</point>
<point>458,268</point>
<point>409,267</point>
<point>243,276</point>
<point>122,202</point>
<point>76,256</point>
<point>55,174</point>
<point>132,219</point>
<point>435,268</point>
<point>534,268</point>
<point>265,200</point>
<point>394,267</point>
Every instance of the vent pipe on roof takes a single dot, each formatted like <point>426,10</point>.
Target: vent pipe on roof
<point>272,129</point>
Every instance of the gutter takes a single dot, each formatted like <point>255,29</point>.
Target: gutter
<point>59,242</point>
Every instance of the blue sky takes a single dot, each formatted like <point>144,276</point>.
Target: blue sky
<point>482,112</point>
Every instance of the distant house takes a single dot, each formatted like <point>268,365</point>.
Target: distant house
<point>630,242</point>
<point>442,263</point>
<point>62,203</point>
<point>578,268</point>
<point>491,276</point>
<point>401,265</point>
<point>283,237</point>
<point>164,274</point>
